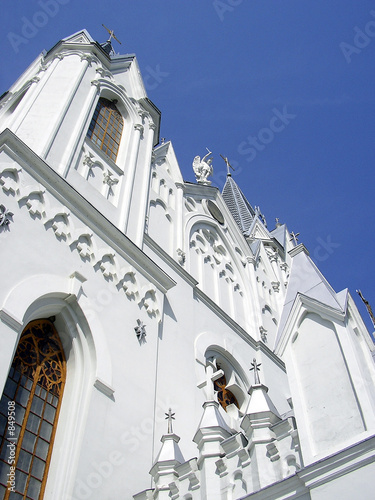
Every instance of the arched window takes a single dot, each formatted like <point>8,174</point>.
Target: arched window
<point>224,395</point>
<point>106,127</point>
<point>29,410</point>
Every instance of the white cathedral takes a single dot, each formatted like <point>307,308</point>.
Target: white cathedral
<point>158,341</point>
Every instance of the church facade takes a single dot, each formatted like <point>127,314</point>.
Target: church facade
<point>158,340</point>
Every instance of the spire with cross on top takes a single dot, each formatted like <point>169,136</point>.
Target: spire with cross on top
<point>170,417</point>
<point>294,237</point>
<point>255,367</point>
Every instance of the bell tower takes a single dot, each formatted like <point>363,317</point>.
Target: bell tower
<point>84,110</point>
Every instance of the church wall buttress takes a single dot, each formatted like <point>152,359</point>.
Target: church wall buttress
<point>326,395</point>
<point>162,217</point>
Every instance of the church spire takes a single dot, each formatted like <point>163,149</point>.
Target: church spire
<point>241,210</point>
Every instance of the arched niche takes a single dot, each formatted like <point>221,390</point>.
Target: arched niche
<point>88,365</point>
<point>330,407</point>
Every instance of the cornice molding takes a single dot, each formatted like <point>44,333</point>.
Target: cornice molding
<point>169,260</point>
<point>256,344</point>
<point>298,249</point>
<point>10,320</point>
<point>321,472</point>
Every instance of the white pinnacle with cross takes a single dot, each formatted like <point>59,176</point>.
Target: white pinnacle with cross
<point>294,237</point>
<point>255,367</point>
<point>170,417</point>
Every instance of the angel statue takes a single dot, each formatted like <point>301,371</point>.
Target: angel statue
<point>203,168</point>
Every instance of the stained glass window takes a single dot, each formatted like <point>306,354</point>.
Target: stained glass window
<point>106,127</point>
<point>29,411</point>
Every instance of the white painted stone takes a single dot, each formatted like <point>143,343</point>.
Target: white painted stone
<point>105,246</point>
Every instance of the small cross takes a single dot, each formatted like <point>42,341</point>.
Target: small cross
<point>294,237</point>
<point>111,34</point>
<point>212,374</point>
<point>228,164</point>
<point>170,417</point>
<point>255,367</point>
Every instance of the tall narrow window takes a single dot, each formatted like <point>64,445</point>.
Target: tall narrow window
<point>106,127</point>
<point>29,410</point>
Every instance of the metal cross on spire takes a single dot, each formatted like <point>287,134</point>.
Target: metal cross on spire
<point>368,307</point>
<point>111,34</point>
<point>255,367</point>
<point>228,164</point>
<point>170,417</point>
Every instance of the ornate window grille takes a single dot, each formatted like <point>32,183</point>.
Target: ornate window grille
<point>106,128</point>
<point>32,397</point>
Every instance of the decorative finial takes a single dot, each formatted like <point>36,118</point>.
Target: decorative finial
<point>111,35</point>
<point>255,367</point>
<point>140,331</point>
<point>228,165</point>
<point>277,220</point>
<point>170,417</point>
<point>163,140</point>
<point>294,237</point>
<point>203,168</point>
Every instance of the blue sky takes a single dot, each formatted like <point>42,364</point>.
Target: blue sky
<point>285,89</point>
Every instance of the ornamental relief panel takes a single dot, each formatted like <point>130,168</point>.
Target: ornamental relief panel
<point>80,239</point>
<point>101,173</point>
<point>207,244</point>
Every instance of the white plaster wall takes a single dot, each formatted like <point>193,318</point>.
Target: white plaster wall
<point>357,484</point>
<point>330,404</point>
<point>49,104</point>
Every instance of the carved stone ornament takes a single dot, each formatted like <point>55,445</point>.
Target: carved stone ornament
<point>181,256</point>
<point>139,127</point>
<point>140,331</point>
<point>5,217</point>
<point>263,334</point>
<point>108,179</point>
<point>203,168</point>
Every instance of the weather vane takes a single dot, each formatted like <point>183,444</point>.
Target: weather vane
<point>170,417</point>
<point>228,164</point>
<point>111,34</point>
